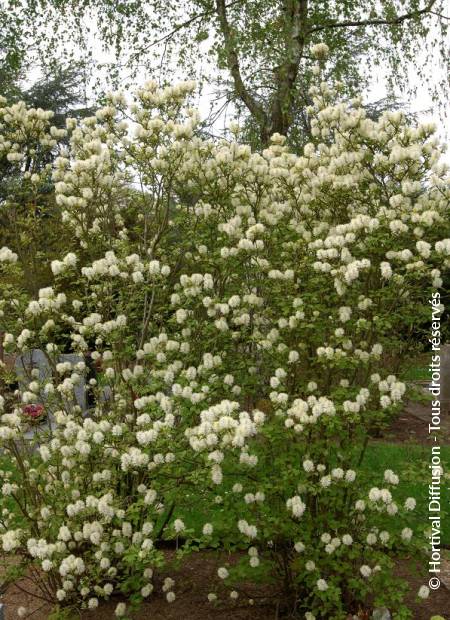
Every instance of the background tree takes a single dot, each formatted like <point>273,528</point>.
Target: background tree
<point>257,54</point>
<point>30,220</point>
<point>12,51</point>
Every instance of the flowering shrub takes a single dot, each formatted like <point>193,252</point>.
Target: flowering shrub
<point>241,311</point>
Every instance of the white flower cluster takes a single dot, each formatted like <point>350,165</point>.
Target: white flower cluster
<point>7,255</point>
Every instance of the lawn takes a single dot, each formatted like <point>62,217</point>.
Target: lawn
<point>408,461</point>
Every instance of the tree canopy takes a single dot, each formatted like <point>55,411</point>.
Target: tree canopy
<point>255,54</point>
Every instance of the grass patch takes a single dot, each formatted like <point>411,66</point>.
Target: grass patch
<point>416,373</point>
<point>410,463</point>
<point>416,368</point>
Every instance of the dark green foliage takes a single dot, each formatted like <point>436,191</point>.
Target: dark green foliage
<point>31,226</point>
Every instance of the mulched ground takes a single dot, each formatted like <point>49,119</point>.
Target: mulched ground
<point>438,603</point>
<point>193,583</point>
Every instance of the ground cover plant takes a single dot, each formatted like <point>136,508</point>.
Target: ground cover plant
<point>235,314</point>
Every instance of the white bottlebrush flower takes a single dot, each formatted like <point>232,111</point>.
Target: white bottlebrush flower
<point>350,475</point>
<point>407,534</point>
<point>384,537</point>
<point>308,465</point>
<point>386,270</point>
<point>410,503</point>
<point>365,571</point>
<point>93,603</point>
<point>296,506</point>
<point>320,51</point>
<point>120,610</point>
<point>7,255</point>
<point>322,585</point>
<point>207,529</point>
<point>424,592</point>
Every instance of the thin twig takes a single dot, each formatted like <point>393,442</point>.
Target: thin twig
<point>348,23</point>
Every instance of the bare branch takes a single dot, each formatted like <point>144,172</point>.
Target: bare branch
<point>375,21</point>
<point>166,38</point>
<point>233,65</point>
<point>440,15</point>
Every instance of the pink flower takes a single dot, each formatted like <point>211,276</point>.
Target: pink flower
<point>34,412</point>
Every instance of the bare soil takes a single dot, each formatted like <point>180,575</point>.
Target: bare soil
<point>193,582</point>
<point>438,603</point>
